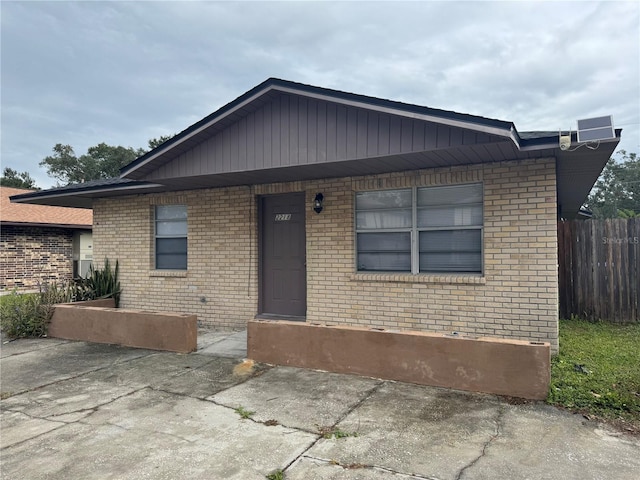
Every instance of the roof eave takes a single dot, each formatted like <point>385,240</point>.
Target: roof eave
<point>78,197</point>
<point>68,226</point>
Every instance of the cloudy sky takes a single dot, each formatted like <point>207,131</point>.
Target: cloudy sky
<point>81,73</point>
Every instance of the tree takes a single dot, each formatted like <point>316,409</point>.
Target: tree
<point>100,161</point>
<point>616,194</point>
<point>156,142</point>
<point>13,178</point>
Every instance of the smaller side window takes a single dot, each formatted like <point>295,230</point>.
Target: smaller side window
<point>171,237</point>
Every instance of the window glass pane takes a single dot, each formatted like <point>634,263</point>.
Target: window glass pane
<point>450,195</point>
<point>171,229</point>
<point>384,252</point>
<point>400,241</point>
<point>451,251</point>
<point>384,262</point>
<point>171,253</point>
<point>450,216</point>
<point>451,262</point>
<point>171,262</point>
<point>384,219</point>
<point>171,245</point>
<point>171,212</point>
<point>383,199</point>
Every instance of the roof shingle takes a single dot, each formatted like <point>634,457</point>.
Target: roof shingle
<point>23,213</point>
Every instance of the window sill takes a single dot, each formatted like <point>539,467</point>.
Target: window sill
<point>168,273</point>
<point>468,279</point>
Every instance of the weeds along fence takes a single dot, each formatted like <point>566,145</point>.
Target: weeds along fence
<point>599,269</point>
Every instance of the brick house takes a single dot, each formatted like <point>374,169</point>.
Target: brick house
<point>41,244</point>
<point>299,202</point>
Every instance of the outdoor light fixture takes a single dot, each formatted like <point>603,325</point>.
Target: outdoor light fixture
<point>317,202</point>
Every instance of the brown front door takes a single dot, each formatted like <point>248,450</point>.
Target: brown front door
<point>283,280</point>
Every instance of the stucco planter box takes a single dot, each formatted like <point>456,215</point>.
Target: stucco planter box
<point>504,367</point>
<point>132,328</point>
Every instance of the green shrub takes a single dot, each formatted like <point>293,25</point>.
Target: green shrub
<point>21,315</point>
<point>27,315</point>
<point>104,283</point>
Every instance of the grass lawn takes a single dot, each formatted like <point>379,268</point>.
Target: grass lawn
<point>597,372</point>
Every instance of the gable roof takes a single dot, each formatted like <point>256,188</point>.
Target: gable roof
<point>40,215</point>
<point>267,90</point>
<point>262,137</point>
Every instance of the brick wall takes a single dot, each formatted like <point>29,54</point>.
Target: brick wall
<point>30,256</point>
<point>515,298</point>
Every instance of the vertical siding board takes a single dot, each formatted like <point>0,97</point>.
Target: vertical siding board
<point>383,134</point>
<point>431,136</point>
<point>234,144</point>
<point>342,132</point>
<point>322,132</point>
<point>226,149</point>
<point>284,129</point>
<point>258,117</point>
<point>352,133</point>
<point>267,126</point>
<point>332,131</point>
<point>312,129</point>
<point>218,154</point>
<point>186,165</point>
<point>417,142</point>
<point>294,155</point>
<point>276,157</point>
<point>303,131</point>
<point>443,136</point>
<point>251,141</point>
<point>469,137</point>
<point>362,133</point>
<point>395,134</point>
<point>372,134</point>
<point>406,135</point>
<point>242,144</point>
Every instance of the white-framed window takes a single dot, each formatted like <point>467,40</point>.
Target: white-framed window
<point>171,237</point>
<point>420,230</point>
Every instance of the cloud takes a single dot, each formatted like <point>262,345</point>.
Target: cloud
<point>82,73</point>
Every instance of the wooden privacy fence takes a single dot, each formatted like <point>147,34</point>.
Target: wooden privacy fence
<point>599,269</point>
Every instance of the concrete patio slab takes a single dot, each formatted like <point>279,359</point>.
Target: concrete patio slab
<point>399,422</point>
<point>23,345</point>
<point>60,361</point>
<point>231,345</point>
<point>298,398</point>
<point>100,411</point>
<point>173,437</point>
<point>555,441</point>
<point>328,470</point>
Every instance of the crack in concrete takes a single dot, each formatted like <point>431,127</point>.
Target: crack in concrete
<point>496,434</point>
<point>356,466</point>
<point>62,424</point>
<point>366,396</point>
<point>52,417</point>
<point>30,351</point>
<point>73,377</point>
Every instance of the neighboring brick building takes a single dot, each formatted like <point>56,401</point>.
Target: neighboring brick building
<point>429,220</point>
<point>37,242</point>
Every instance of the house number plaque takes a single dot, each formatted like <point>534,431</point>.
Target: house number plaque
<point>283,217</point>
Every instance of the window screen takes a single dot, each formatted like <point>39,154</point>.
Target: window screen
<point>171,237</point>
<point>429,229</point>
